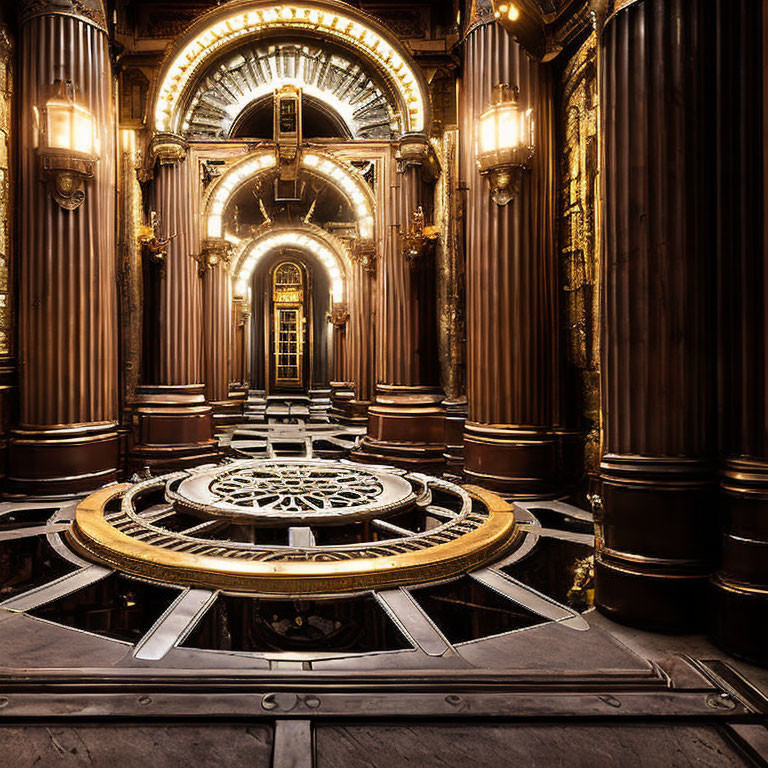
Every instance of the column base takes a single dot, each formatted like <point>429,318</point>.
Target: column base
<point>62,461</point>
<point>344,408</point>
<point>739,605</point>
<point>406,428</point>
<point>455,419</point>
<point>7,409</point>
<point>172,428</point>
<point>517,461</point>
<point>225,413</point>
<point>656,538</point>
<point>319,404</point>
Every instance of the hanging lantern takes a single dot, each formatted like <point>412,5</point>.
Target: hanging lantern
<point>67,145</point>
<point>504,144</point>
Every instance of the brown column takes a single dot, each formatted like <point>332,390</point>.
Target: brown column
<point>66,441</point>
<point>7,263</point>
<point>217,343</point>
<point>740,588</point>
<point>238,386</point>
<point>656,532</point>
<point>339,319</point>
<point>406,420</point>
<point>172,424</point>
<point>352,399</point>
<point>509,441</point>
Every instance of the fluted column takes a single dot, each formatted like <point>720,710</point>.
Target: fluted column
<point>217,343</point>
<point>512,375</point>
<point>658,471</point>
<point>173,427</point>
<point>66,441</point>
<point>352,387</point>
<point>361,332</point>
<point>406,419</point>
<point>739,605</point>
<point>8,388</point>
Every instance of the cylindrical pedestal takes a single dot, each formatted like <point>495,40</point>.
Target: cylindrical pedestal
<point>406,427</point>
<point>171,428</point>
<point>512,373</point>
<point>66,442</point>
<point>657,527</point>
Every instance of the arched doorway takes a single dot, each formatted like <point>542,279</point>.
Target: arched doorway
<point>290,335</point>
<point>291,346</point>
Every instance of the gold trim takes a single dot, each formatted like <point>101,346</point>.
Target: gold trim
<point>93,537</point>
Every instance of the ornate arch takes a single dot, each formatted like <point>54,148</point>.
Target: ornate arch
<point>342,176</point>
<point>329,250</point>
<point>242,21</point>
<point>253,72</point>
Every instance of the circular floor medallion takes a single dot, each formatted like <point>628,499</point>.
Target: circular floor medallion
<point>292,491</point>
<point>254,530</point>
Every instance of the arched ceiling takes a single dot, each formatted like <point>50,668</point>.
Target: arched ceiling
<point>244,22</point>
<point>232,84</point>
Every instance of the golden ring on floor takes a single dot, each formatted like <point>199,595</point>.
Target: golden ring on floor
<point>477,541</point>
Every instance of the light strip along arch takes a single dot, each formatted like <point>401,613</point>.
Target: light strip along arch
<point>329,251</point>
<point>341,175</point>
<point>239,21</point>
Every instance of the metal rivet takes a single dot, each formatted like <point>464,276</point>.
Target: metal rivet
<point>145,700</point>
<point>4,702</point>
<point>454,700</point>
<point>611,701</point>
<point>312,702</point>
<point>721,701</point>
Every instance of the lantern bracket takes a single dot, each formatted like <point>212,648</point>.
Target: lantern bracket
<point>65,169</point>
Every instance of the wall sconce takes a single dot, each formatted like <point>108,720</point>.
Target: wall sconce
<point>505,144</point>
<point>415,241</point>
<point>364,254</point>
<point>215,253</point>
<point>67,146</point>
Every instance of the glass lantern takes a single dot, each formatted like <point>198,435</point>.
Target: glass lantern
<point>505,143</point>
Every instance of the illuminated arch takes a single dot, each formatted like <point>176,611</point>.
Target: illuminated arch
<point>231,87</point>
<point>344,178</point>
<point>241,20</point>
<point>328,250</point>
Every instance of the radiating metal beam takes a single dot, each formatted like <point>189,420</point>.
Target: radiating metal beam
<point>174,624</point>
<point>383,525</point>
<point>529,598</point>
<point>411,618</point>
<point>292,746</point>
<point>66,585</point>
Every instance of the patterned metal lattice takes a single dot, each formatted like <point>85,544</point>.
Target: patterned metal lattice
<point>287,492</point>
<point>296,488</point>
<point>257,531</point>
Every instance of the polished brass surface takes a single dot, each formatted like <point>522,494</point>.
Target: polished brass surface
<point>579,196</point>
<point>479,532</point>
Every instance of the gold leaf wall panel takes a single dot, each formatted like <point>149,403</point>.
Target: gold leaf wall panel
<point>579,246</point>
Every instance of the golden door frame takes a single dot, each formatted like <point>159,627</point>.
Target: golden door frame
<point>293,298</point>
